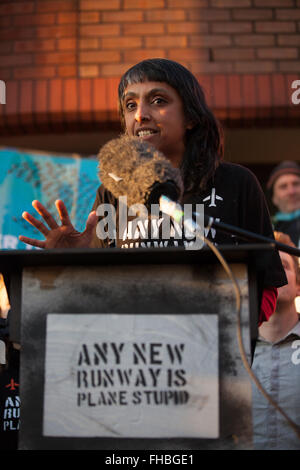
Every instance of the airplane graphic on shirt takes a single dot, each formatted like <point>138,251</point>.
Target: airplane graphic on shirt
<point>212,198</point>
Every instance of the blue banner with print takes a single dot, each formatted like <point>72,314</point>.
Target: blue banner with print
<point>26,176</point>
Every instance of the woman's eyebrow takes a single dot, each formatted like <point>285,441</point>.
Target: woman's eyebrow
<point>129,94</point>
<point>153,91</point>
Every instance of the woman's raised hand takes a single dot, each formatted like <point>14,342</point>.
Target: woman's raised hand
<point>59,236</point>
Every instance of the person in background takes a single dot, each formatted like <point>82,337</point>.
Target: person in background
<point>284,186</point>
<point>276,365</point>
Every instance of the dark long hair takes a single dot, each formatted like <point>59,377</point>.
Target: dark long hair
<point>204,142</point>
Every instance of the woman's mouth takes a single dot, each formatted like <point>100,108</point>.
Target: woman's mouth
<point>145,132</point>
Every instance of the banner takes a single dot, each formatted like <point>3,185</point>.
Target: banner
<point>26,176</point>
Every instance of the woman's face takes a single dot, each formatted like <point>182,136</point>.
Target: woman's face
<point>153,111</point>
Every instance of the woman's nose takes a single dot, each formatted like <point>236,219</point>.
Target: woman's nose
<point>142,113</point>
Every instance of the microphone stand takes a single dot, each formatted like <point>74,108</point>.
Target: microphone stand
<point>249,236</point>
<point>174,210</point>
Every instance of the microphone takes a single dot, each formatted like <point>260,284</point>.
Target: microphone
<point>131,167</point>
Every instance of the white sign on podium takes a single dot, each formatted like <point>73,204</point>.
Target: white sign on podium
<point>122,375</point>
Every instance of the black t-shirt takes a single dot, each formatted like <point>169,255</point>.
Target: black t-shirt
<point>233,196</point>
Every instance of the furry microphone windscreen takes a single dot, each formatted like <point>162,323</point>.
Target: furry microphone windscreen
<point>129,166</point>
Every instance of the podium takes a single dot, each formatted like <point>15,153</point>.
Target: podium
<point>133,349</point>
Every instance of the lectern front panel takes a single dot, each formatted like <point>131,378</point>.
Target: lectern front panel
<point>133,357</point>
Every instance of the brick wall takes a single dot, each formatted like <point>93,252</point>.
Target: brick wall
<point>54,54</point>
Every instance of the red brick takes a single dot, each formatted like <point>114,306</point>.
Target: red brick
<point>114,70</point>
<point>112,97</point>
<point>70,95</point>
<point>67,71</point>
<point>26,96</point>
<point>15,60</point>
<point>100,30</point>
<point>56,5</point>
<point>99,99</point>
<point>123,42</point>
<point>143,4</point>
<point>249,96</point>
<point>288,39</point>
<point>280,92</point>
<point>274,3</point>
<point>264,90</point>
<point>6,47</point>
<point>12,101</point>
<point>234,54</point>
<point>98,57</point>
<point>14,8</point>
<point>187,3</point>
<point>14,34</point>
<point>142,54</point>
<point>67,18</point>
<point>210,67</point>
<point>55,58</point>
<point>289,66</point>
<point>122,16</point>
<point>56,117</point>
<point>89,43</point>
<point>254,39</point>
<point>165,41</point>
<point>234,91</point>
<point>99,5</point>
<point>85,95</point>
<point>209,14</point>
<point>34,46</point>
<point>34,72</point>
<point>67,44</point>
<point>230,3</point>
<point>56,31</point>
<point>277,53</point>
<point>34,20</point>
<point>6,21</point>
<point>187,27</point>
<point>41,94</point>
<point>290,14</point>
<point>220,91</point>
<point>206,84</point>
<point>259,66</point>
<point>248,85</point>
<point>5,74</point>
<point>25,102</point>
<point>89,17</point>
<point>88,71</point>
<point>252,14</point>
<point>188,54</point>
<point>232,27</point>
<point>55,96</point>
<point>143,28</point>
<point>165,15</point>
<point>210,40</point>
<point>275,27</point>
